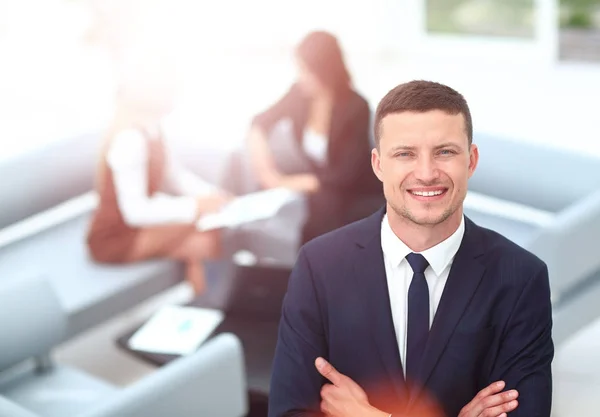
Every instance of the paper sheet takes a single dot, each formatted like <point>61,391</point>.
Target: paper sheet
<point>176,330</point>
<point>249,208</point>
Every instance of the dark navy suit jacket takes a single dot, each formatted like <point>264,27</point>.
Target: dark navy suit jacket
<point>494,322</point>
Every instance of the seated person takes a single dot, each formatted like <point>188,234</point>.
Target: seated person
<point>149,203</point>
<point>328,123</point>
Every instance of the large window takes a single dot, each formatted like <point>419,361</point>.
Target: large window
<point>53,82</point>
<point>506,18</point>
<point>61,59</point>
<point>579,35</point>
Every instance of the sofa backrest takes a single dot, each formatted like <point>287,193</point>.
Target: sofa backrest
<point>10,409</point>
<point>42,178</point>
<point>32,321</point>
<point>570,246</point>
<point>209,382</point>
<point>533,174</point>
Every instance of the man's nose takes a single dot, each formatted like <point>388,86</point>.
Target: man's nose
<point>425,169</point>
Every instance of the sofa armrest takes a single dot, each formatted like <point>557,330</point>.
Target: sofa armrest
<point>570,245</point>
<point>210,382</point>
<point>10,409</point>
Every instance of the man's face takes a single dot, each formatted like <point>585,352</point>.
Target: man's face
<point>424,162</point>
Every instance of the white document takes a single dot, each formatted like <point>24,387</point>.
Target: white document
<point>249,208</point>
<point>176,330</point>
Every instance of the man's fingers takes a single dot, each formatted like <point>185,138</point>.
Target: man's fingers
<point>491,389</point>
<point>500,410</point>
<point>324,407</point>
<point>328,371</point>
<point>500,398</point>
<point>326,390</point>
<point>494,405</point>
<point>490,396</point>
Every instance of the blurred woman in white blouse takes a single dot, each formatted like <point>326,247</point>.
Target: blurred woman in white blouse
<point>149,203</point>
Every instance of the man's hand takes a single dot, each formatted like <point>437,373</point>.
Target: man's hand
<point>343,397</point>
<point>491,402</point>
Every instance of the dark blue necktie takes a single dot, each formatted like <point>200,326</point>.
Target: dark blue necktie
<point>418,316</point>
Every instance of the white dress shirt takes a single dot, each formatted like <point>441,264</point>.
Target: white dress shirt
<point>399,275</point>
<point>127,158</point>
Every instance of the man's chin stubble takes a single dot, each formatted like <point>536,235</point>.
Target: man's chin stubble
<point>407,215</point>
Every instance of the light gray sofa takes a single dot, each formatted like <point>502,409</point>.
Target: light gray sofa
<point>10,409</point>
<point>210,382</point>
<point>41,180</point>
<point>47,177</point>
<point>548,201</point>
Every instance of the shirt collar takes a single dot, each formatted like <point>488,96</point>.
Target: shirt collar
<point>438,256</point>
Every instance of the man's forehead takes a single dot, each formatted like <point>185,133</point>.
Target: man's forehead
<point>429,116</point>
<point>406,125</point>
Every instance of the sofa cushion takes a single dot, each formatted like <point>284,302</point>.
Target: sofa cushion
<point>90,293</point>
<point>61,391</point>
<point>46,176</point>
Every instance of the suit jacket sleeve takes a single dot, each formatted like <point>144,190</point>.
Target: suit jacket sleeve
<point>350,153</point>
<point>295,383</point>
<point>527,350</point>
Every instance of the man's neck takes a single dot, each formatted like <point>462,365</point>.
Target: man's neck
<point>418,237</point>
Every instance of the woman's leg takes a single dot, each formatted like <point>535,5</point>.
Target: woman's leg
<point>182,243</point>
<point>195,249</point>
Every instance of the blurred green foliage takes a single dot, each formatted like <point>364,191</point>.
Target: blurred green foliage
<point>578,14</point>
<point>513,18</point>
<point>481,17</point>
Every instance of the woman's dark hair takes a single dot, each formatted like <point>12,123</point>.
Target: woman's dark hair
<point>321,53</point>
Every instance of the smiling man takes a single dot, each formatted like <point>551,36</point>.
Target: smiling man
<point>416,310</point>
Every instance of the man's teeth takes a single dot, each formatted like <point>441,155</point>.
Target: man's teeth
<point>427,193</point>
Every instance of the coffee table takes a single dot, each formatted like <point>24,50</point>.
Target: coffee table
<point>258,336</point>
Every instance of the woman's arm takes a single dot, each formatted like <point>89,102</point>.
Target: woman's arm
<point>268,175</point>
<point>179,180</point>
<point>262,159</point>
<point>260,152</point>
<point>128,160</point>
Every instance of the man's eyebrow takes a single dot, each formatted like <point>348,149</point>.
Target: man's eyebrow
<point>447,145</point>
<point>402,148</point>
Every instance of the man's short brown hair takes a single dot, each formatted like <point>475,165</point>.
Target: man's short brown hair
<point>423,96</point>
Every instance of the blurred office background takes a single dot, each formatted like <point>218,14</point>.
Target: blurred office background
<point>530,70</point>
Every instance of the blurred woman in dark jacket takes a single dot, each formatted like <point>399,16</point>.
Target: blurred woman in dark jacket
<point>328,124</point>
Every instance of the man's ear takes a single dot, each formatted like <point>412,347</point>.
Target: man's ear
<point>473,159</point>
<point>376,163</point>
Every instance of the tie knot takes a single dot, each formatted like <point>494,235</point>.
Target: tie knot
<point>417,262</point>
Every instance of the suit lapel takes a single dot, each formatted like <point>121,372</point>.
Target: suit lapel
<point>371,281</point>
<point>465,275</point>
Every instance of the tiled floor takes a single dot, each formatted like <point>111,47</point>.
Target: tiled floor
<point>576,366</point>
